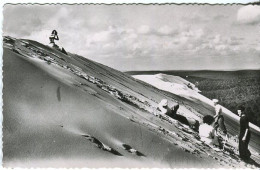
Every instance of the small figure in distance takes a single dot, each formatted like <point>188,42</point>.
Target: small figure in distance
<point>190,86</point>
<point>207,132</point>
<point>54,36</point>
<point>219,118</point>
<point>164,109</point>
<point>244,135</point>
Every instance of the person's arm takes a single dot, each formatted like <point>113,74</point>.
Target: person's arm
<point>213,133</point>
<point>162,111</point>
<point>218,108</point>
<point>245,135</point>
<point>56,37</point>
<point>222,124</point>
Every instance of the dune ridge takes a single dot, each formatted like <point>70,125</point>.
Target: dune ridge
<point>66,107</point>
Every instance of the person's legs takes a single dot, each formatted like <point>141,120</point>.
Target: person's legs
<point>182,119</point>
<point>240,148</point>
<point>221,124</point>
<point>248,153</point>
<point>243,149</point>
<point>216,141</point>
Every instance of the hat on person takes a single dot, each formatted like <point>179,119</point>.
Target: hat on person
<point>215,100</point>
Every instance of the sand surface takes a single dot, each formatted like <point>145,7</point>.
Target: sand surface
<point>67,111</point>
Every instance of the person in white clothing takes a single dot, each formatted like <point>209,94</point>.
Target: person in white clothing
<point>207,132</point>
<point>164,108</point>
<point>219,118</point>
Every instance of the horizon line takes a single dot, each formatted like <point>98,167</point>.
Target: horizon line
<point>193,70</point>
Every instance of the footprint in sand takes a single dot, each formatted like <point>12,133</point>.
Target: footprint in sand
<point>101,145</point>
<point>132,120</point>
<point>186,130</point>
<point>132,150</point>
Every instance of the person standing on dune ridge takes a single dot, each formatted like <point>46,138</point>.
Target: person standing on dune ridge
<point>244,135</point>
<point>219,118</point>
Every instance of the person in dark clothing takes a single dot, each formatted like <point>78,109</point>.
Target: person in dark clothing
<point>173,114</point>
<point>244,135</point>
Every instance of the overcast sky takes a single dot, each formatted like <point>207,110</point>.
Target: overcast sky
<point>146,37</point>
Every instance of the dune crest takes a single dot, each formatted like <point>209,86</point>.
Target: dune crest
<point>71,108</point>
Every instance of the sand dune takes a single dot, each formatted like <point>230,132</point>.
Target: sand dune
<point>67,111</point>
<point>179,86</point>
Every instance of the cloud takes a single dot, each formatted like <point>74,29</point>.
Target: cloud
<point>165,30</point>
<point>132,35</point>
<point>249,15</point>
<point>218,45</point>
<point>144,29</point>
<point>219,17</point>
<point>197,18</point>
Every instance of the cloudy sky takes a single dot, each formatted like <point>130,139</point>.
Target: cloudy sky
<point>146,37</point>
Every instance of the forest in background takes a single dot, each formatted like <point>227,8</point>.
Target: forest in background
<point>231,88</point>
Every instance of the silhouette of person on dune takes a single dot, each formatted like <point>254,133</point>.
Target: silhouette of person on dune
<point>53,36</point>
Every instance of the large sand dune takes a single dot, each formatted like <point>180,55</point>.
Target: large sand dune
<point>67,111</point>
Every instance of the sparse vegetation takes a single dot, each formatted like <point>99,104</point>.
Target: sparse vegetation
<point>234,92</point>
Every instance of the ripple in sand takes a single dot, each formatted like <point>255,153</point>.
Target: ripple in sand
<point>132,150</point>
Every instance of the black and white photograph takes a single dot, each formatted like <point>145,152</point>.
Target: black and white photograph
<point>100,85</point>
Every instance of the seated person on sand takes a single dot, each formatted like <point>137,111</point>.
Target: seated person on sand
<point>208,133</point>
<point>54,36</point>
<point>219,118</point>
<point>172,113</point>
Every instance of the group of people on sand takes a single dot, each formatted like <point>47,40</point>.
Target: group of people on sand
<point>212,126</point>
<point>209,129</point>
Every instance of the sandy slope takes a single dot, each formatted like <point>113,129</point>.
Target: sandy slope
<point>65,110</point>
<point>178,86</point>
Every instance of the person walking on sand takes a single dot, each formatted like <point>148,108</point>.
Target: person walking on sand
<point>244,135</point>
<point>219,118</point>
